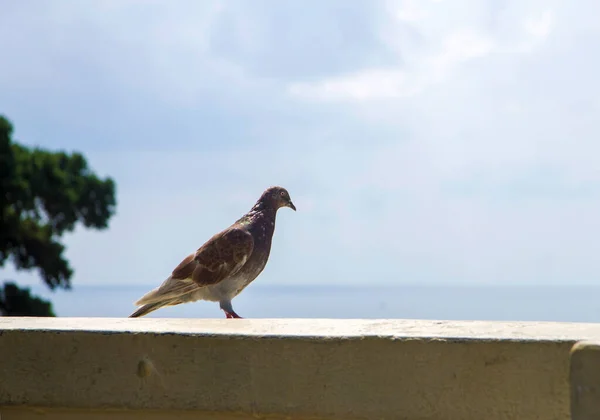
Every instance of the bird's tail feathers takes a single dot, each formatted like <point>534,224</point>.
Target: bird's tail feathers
<point>170,289</point>
<point>149,307</point>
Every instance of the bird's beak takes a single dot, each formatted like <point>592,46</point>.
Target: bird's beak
<point>291,205</point>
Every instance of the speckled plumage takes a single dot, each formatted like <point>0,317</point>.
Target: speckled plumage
<point>228,262</point>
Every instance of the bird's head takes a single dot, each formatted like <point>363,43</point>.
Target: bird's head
<point>277,197</point>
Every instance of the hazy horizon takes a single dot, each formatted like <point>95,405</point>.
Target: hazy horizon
<point>449,302</point>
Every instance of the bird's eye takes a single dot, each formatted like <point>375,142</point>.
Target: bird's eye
<point>282,193</point>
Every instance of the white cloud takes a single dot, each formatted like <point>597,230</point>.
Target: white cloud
<point>401,82</point>
<point>445,42</point>
<point>408,10</point>
<point>540,28</point>
<point>537,31</point>
<point>367,84</point>
<point>457,47</point>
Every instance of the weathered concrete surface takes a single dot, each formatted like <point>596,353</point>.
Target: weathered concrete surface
<point>383,369</point>
<point>25,413</point>
<point>585,381</point>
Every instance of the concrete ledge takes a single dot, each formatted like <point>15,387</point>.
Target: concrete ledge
<point>585,381</point>
<point>336,369</point>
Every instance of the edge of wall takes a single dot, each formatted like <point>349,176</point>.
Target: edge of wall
<point>306,368</point>
<point>585,380</point>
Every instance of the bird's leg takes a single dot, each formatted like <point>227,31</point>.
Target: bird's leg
<point>228,309</point>
<point>232,314</point>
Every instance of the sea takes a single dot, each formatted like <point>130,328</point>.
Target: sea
<point>433,302</point>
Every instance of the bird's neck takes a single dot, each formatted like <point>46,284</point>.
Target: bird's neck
<point>261,211</point>
<point>264,208</point>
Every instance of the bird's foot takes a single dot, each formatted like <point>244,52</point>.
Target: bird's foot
<point>232,315</point>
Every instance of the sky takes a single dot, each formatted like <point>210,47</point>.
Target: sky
<point>426,141</point>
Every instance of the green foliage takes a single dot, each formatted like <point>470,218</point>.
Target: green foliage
<point>15,301</point>
<point>44,194</point>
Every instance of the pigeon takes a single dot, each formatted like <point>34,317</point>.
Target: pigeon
<point>228,262</point>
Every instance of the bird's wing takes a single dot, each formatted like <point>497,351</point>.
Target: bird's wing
<point>221,256</point>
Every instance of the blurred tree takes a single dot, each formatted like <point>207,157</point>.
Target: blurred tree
<point>44,194</point>
<point>15,301</point>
